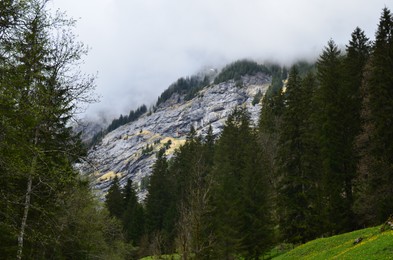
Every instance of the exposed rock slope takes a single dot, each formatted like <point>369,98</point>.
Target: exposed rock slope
<point>123,151</point>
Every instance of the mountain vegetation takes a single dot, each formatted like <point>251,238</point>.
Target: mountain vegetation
<point>184,86</point>
<point>318,163</point>
<point>240,68</point>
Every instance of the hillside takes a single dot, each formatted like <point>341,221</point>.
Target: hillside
<point>374,245</point>
<point>130,150</point>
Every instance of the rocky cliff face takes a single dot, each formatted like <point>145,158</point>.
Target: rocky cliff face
<point>129,151</point>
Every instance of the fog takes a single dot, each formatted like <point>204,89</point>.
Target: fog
<point>139,47</point>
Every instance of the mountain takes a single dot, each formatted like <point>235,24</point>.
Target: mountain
<point>129,151</point>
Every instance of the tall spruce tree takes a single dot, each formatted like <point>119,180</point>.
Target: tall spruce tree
<point>329,68</point>
<point>240,195</point>
<point>357,54</point>
<point>160,207</point>
<point>375,142</point>
<point>297,194</point>
<point>191,170</point>
<point>113,199</point>
<point>269,122</point>
<point>133,214</point>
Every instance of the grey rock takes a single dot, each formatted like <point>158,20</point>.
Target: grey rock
<point>121,151</point>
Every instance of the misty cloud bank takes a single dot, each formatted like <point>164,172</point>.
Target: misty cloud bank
<point>139,47</point>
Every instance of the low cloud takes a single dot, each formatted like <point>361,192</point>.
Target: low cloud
<point>139,47</point>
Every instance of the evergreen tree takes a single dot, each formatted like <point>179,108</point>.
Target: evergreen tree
<point>88,230</point>
<point>375,142</point>
<point>190,169</point>
<point>133,215</point>
<point>38,95</point>
<point>332,135</point>
<point>113,199</point>
<point>295,187</point>
<point>256,228</point>
<point>160,208</point>
<point>240,196</point>
<point>269,123</point>
<point>357,53</point>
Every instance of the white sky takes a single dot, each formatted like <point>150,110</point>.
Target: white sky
<point>139,47</point>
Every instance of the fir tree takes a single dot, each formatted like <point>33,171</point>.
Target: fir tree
<point>240,196</point>
<point>113,199</point>
<point>133,215</point>
<point>375,142</point>
<point>331,137</point>
<point>160,208</point>
<point>357,53</point>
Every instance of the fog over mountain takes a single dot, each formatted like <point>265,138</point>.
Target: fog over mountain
<point>140,47</point>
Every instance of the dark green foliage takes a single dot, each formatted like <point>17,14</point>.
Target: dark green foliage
<point>88,230</point>
<point>305,67</point>
<point>160,211</point>
<point>123,206</point>
<point>272,106</point>
<point>376,141</point>
<point>122,120</point>
<point>114,199</point>
<point>319,163</point>
<point>190,170</point>
<point>184,86</point>
<point>331,136</point>
<point>358,51</point>
<point>46,211</point>
<point>257,98</point>
<point>117,122</point>
<point>242,216</point>
<point>133,217</point>
<point>297,194</point>
<point>238,69</point>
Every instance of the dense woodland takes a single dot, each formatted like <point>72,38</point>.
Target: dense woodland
<point>47,211</point>
<point>318,163</point>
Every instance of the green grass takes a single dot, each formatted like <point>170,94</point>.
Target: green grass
<point>375,245</point>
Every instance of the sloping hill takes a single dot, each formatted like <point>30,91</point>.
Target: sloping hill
<point>374,245</point>
<point>129,150</point>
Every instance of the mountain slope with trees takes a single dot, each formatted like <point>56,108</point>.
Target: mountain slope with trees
<point>212,172</point>
<point>318,164</point>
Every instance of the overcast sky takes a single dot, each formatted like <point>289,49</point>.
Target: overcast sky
<point>139,47</point>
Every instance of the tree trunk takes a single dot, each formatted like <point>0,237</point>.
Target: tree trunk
<point>24,219</point>
<point>27,202</point>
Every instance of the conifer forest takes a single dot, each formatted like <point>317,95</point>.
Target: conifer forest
<point>319,161</point>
